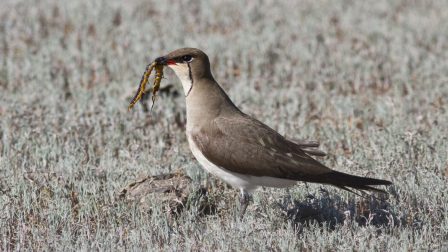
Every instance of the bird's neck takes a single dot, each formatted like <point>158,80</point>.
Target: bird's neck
<point>206,101</point>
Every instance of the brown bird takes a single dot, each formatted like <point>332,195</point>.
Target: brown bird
<point>239,149</point>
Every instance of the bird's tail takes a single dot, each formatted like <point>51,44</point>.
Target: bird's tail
<point>347,181</point>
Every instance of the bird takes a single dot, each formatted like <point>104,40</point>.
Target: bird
<point>241,150</point>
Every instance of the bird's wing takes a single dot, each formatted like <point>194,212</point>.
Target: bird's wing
<point>244,145</point>
<point>310,147</point>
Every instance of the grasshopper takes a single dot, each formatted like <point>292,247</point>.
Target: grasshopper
<point>142,86</point>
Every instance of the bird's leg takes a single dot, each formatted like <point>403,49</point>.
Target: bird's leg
<point>244,202</point>
<point>207,181</point>
<point>307,188</point>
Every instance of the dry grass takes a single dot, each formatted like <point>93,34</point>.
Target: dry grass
<point>366,78</point>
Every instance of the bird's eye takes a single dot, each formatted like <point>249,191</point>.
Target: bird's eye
<point>187,58</point>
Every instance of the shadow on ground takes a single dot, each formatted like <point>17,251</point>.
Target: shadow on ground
<point>331,210</point>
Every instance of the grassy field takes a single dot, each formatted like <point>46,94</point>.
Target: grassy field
<point>368,79</point>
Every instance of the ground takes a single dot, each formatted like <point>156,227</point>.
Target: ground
<point>368,79</point>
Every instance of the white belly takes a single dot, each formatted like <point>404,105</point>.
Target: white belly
<point>241,181</point>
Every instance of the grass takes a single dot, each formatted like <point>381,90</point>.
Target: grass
<point>365,78</point>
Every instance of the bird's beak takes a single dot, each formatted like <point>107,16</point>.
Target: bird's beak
<point>165,61</point>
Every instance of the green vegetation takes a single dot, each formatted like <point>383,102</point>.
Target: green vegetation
<point>368,79</point>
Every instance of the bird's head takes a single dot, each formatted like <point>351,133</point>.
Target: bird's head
<point>189,64</point>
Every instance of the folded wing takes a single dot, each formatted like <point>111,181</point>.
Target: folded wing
<point>244,145</point>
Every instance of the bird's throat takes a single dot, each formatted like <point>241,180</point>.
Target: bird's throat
<point>183,72</point>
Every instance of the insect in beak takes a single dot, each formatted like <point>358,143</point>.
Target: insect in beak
<point>158,65</point>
